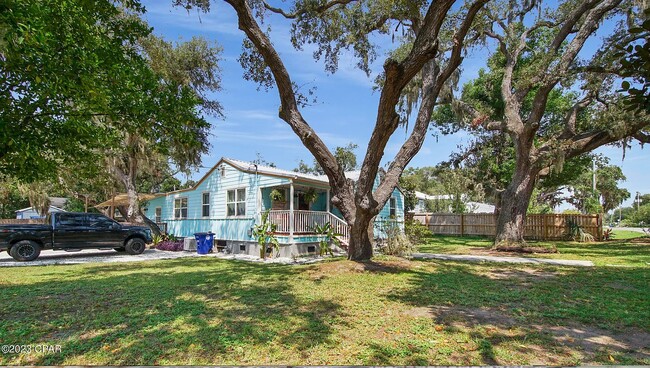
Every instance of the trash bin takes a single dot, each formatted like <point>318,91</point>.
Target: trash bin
<point>204,242</point>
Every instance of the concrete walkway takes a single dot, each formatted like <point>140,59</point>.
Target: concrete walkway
<point>459,257</point>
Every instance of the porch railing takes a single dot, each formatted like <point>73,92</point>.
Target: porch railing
<point>341,227</point>
<point>303,221</point>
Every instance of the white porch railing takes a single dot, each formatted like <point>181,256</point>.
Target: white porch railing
<point>304,221</point>
<point>281,219</point>
<point>341,227</point>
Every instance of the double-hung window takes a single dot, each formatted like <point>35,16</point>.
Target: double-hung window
<point>158,214</point>
<point>393,207</point>
<point>236,202</point>
<point>205,205</point>
<point>180,208</point>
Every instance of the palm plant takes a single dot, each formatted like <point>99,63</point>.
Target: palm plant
<point>264,233</point>
<point>327,236</point>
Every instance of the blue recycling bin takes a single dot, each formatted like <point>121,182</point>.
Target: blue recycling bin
<point>204,242</point>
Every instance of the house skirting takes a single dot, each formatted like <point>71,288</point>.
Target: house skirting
<point>286,250</point>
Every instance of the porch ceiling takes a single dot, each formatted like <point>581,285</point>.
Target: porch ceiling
<point>302,187</point>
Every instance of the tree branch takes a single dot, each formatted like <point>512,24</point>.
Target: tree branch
<point>295,14</point>
<point>552,77</point>
<point>397,76</point>
<point>433,81</point>
<point>290,112</point>
<point>572,116</point>
<point>642,137</point>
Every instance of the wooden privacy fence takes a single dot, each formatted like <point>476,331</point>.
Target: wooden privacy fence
<point>538,226</point>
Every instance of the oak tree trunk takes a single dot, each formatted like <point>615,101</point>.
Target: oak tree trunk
<point>360,247</point>
<point>132,212</point>
<point>511,221</point>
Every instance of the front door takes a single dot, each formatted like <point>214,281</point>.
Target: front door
<point>302,203</point>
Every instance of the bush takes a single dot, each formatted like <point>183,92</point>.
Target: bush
<point>172,246</point>
<point>415,231</point>
<point>395,242</point>
<point>576,233</point>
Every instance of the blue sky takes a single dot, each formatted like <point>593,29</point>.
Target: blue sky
<point>344,112</point>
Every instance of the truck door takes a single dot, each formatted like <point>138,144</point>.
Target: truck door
<point>104,232</point>
<point>70,230</point>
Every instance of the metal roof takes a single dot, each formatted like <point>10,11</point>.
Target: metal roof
<point>262,169</point>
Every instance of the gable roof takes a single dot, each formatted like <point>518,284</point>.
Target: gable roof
<point>50,207</point>
<point>273,171</point>
<point>253,168</point>
<point>420,195</point>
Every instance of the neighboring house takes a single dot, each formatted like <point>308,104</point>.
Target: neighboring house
<point>422,198</point>
<point>471,207</point>
<point>231,197</point>
<point>478,207</point>
<point>30,213</point>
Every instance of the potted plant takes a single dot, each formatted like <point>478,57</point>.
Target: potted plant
<point>310,196</point>
<point>278,199</point>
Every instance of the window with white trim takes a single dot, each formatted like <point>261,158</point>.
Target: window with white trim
<point>236,202</point>
<point>158,214</point>
<point>180,208</point>
<point>393,207</point>
<point>205,205</point>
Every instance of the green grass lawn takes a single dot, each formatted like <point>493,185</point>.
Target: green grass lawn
<point>389,312</point>
<point>626,234</point>
<point>619,251</point>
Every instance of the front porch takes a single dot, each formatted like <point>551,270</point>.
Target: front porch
<point>297,208</point>
<point>300,222</point>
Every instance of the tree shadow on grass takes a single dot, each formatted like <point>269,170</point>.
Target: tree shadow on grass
<point>552,315</point>
<point>185,312</point>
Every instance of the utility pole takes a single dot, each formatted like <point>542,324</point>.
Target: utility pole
<point>593,176</point>
<point>619,214</point>
<point>638,201</point>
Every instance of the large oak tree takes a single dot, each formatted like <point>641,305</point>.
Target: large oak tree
<point>435,38</point>
<point>541,50</point>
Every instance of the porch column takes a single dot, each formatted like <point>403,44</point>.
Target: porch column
<point>291,211</point>
<point>327,202</point>
<point>258,204</point>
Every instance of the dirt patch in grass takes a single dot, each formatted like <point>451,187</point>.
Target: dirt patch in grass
<point>523,274</point>
<point>343,267</point>
<point>594,340</point>
<point>462,316</point>
<point>498,326</point>
<point>643,240</point>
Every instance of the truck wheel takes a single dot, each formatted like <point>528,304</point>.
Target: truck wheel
<point>135,246</point>
<point>25,251</point>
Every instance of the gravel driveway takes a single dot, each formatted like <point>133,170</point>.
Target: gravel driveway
<point>50,257</point>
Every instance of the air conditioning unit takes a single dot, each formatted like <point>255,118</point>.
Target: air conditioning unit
<point>189,244</point>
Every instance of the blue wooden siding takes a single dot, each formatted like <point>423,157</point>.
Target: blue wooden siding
<point>237,227</point>
<point>228,228</point>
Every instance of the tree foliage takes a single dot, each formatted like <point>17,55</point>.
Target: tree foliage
<point>543,100</point>
<point>635,65</point>
<point>607,196</point>
<point>87,91</point>
<point>345,157</point>
<point>63,65</point>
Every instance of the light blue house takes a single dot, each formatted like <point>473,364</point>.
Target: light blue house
<point>30,213</point>
<point>230,199</point>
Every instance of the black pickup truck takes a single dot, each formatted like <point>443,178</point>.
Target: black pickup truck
<point>72,231</point>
